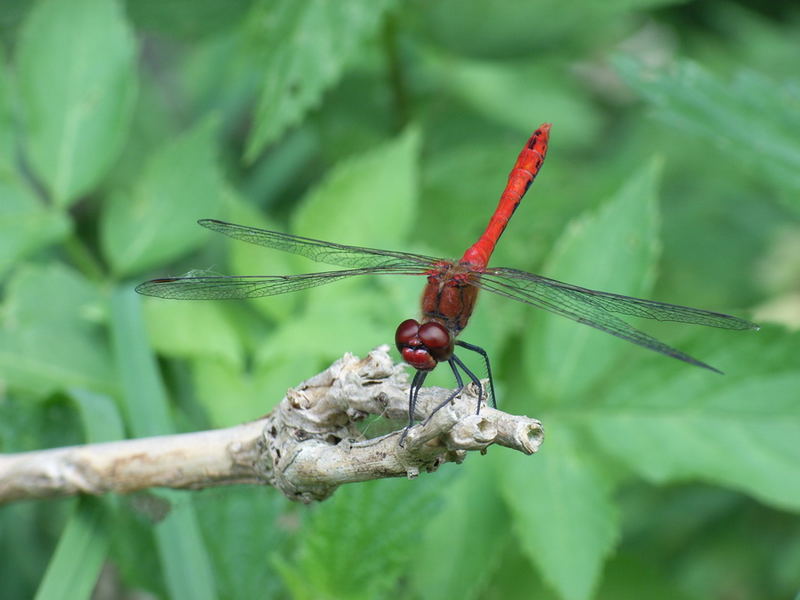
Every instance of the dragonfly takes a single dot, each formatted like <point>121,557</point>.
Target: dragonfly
<point>452,287</point>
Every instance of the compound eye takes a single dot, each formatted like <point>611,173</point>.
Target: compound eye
<point>406,332</point>
<point>437,340</point>
<point>434,335</point>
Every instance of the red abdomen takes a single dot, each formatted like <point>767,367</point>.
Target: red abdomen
<point>522,175</point>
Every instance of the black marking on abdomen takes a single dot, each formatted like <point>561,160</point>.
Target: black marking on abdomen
<point>534,139</point>
<point>527,186</point>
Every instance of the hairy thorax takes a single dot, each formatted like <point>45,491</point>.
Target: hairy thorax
<point>448,297</point>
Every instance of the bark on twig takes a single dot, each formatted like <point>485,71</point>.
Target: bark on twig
<point>307,447</point>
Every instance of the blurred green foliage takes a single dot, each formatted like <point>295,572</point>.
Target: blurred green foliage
<point>673,173</point>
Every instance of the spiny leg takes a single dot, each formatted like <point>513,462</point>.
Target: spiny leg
<point>485,356</point>
<point>413,392</point>
<point>455,393</point>
<point>474,379</point>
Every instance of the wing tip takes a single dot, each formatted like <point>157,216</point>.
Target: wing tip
<point>683,357</point>
<point>738,323</point>
<point>142,288</point>
<point>712,369</point>
<point>154,287</point>
<point>145,290</point>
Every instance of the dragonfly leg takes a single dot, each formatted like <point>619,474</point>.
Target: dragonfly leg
<point>473,377</point>
<point>485,356</point>
<point>413,393</point>
<point>455,393</point>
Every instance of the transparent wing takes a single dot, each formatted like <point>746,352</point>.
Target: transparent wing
<point>597,309</point>
<point>526,286</point>
<point>238,287</point>
<point>317,250</point>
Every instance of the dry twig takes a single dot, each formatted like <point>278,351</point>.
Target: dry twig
<point>307,447</point>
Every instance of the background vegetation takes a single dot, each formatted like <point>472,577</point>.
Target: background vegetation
<point>674,173</point>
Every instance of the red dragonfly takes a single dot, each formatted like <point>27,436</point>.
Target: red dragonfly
<point>452,289</point>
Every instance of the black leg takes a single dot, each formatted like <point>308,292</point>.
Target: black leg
<point>473,377</point>
<point>455,393</point>
<point>415,395</point>
<point>416,384</point>
<point>485,356</point>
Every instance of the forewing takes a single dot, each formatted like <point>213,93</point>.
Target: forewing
<point>218,287</point>
<point>524,286</point>
<point>317,250</point>
<point>596,309</point>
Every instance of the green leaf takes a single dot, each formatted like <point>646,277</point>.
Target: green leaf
<point>631,578</point>
<point>176,18</point>
<point>101,419</point>
<point>753,119</point>
<point>369,200</point>
<point>8,142</point>
<point>75,566</point>
<point>473,520</point>
<point>192,329</point>
<point>25,224</point>
<point>232,395</point>
<point>47,345</point>
<point>346,551</point>
<point>562,510</point>
<point>524,28</point>
<point>156,221</point>
<point>521,95</point>
<point>188,572</point>
<point>739,430</point>
<point>303,47</point>
<point>145,401</point>
<point>242,526</point>
<point>184,559</point>
<point>615,250</point>
<point>77,86</point>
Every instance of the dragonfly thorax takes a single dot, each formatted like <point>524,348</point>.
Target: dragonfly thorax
<point>423,346</point>
<point>449,297</point>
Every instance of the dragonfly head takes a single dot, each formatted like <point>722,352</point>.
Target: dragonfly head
<point>423,346</point>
